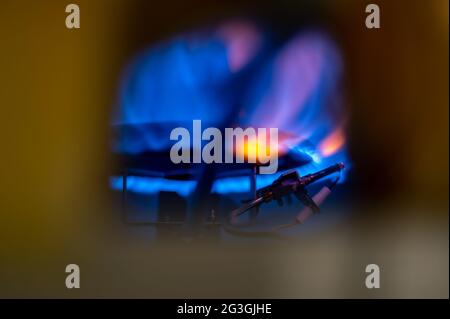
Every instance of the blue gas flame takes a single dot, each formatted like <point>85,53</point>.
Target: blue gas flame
<point>295,88</point>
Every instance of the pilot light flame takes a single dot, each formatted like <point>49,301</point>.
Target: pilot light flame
<point>205,75</point>
<point>332,143</point>
<point>254,147</point>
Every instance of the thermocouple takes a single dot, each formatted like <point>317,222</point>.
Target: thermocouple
<point>291,183</point>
